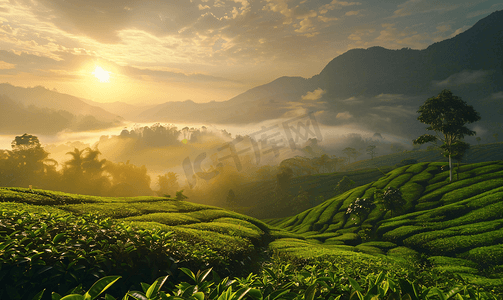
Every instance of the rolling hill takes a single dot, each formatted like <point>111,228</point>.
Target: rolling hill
<point>446,234</point>
<point>456,227</point>
<point>258,197</point>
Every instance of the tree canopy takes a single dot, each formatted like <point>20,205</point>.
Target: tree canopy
<point>446,114</point>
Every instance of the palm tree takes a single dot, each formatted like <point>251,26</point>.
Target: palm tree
<point>74,165</point>
<point>84,172</point>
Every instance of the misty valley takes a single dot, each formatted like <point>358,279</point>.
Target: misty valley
<point>380,177</point>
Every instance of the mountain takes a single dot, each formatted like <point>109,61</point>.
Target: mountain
<point>41,111</point>
<point>261,103</point>
<point>373,89</point>
<point>122,109</point>
<point>378,70</point>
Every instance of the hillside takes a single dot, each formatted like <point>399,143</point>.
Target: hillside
<point>257,199</point>
<point>42,111</point>
<point>199,223</point>
<point>455,228</point>
<point>443,231</point>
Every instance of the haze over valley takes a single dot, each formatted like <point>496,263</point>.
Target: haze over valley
<point>368,94</point>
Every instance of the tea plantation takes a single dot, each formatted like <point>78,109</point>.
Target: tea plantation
<point>445,242</point>
<point>453,228</point>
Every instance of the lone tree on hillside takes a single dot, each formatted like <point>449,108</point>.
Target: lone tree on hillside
<point>447,115</point>
<point>351,152</point>
<point>371,150</point>
<point>459,149</point>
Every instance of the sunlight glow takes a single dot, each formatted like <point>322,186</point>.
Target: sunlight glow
<point>101,74</point>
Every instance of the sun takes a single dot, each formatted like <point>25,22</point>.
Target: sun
<point>101,74</point>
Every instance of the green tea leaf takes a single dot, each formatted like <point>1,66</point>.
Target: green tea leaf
<point>199,296</point>
<point>58,237</point>
<point>255,294</point>
<point>39,295</point>
<point>137,295</point>
<point>310,292</point>
<point>355,285</point>
<point>152,290</point>
<point>144,286</point>
<point>55,296</point>
<point>202,275</point>
<point>189,273</point>
<point>108,297</point>
<point>100,286</point>
<point>73,297</point>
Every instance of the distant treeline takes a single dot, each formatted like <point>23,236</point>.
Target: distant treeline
<point>27,164</point>
<point>84,172</point>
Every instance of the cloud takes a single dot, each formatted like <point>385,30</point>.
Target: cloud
<point>460,30</point>
<point>335,4</point>
<point>69,65</point>
<point>481,12</point>
<point>498,95</point>
<point>344,115</point>
<point>412,7</point>
<point>352,13</point>
<point>314,95</point>
<point>6,66</point>
<point>399,38</point>
<point>351,101</point>
<point>462,78</point>
<point>397,110</point>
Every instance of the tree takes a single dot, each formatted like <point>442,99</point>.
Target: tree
<point>350,152</point>
<point>371,150</point>
<point>447,115</point>
<point>180,196</point>
<point>459,149</point>
<point>168,184</point>
<point>231,199</point>
<point>322,163</point>
<point>84,172</point>
<point>128,180</point>
<point>27,159</point>
<point>336,161</point>
<point>391,199</point>
<point>478,140</point>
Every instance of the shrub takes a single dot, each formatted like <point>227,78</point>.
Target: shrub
<point>391,199</point>
<point>360,207</point>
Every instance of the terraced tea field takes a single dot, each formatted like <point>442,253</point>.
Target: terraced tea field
<point>455,227</point>
<point>255,197</point>
<point>447,234</point>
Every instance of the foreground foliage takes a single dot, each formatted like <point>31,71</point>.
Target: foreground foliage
<point>445,243</point>
<point>282,281</point>
<point>58,252</point>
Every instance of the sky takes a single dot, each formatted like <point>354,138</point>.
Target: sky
<point>154,51</point>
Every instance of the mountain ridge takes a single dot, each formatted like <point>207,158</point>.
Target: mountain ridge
<point>470,64</point>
